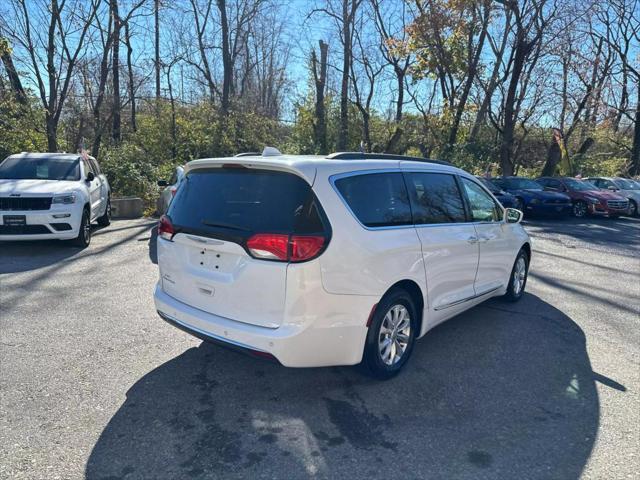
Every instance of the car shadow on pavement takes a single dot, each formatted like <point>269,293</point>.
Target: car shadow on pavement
<point>501,391</point>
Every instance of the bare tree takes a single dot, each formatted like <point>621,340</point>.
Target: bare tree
<point>61,44</point>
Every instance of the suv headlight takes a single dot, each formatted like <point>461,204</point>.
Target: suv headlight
<point>65,199</point>
<point>592,200</point>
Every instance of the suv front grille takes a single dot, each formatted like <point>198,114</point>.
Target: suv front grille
<point>25,203</point>
<point>618,204</point>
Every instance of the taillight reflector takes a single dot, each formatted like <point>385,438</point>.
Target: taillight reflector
<point>165,228</point>
<point>285,248</point>
<point>173,191</point>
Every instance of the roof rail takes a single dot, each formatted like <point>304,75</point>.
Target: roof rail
<point>382,156</point>
<point>248,154</point>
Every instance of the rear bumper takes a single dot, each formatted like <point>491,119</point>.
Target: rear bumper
<point>43,225</point>
<point>299,345</point>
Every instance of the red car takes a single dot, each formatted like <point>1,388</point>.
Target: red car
<point>586,197</point>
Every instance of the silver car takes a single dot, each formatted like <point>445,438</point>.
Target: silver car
<point>169,189</point>
<point>625,187</point>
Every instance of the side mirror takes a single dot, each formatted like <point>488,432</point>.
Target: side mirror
<point>613,189</point>
<point>163,183</point>
<point>90,177</point>
<point>551,189</point>
<point>512,215</point>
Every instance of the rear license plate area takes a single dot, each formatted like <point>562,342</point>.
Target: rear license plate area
<point>14,220</point>
<point>213,261</point>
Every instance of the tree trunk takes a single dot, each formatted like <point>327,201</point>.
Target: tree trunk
<point>348,14</point>
<point>132,90</point>
<point>320,80</point>
<point>635,151</point>
<point>116,133</point>
<point>392,144</point>
<point>12,73</point>
<point>102,83</point>
<point>227,73</point>
<point>156,9</point>
<point>471,75</point>
<point>506,147</point>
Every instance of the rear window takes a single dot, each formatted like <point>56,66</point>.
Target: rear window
<point>241,202</point>
<point>377,199</point>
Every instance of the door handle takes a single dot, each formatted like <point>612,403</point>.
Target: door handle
<point>472,239</point>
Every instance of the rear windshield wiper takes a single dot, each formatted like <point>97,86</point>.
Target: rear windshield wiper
<point>224,225</point>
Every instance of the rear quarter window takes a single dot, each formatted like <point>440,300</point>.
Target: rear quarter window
<point>376,199</point>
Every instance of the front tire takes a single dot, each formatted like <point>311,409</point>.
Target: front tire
<point>391,335</point>
<point>105,220</point>
<point>84,235</point>
<point>518,278</point>
<point>580,209</point>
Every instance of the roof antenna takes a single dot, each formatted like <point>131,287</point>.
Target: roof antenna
<point>271,152</point>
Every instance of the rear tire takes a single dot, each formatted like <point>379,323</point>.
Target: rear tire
<point>391,335</point>
<point>84,235</point>
<point>105,220</point>
<point>518,278</point>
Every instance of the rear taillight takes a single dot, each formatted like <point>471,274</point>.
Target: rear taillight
<point>305,247</point>
<point>270,246</point>
<point>285,248</point>
<point>173,191</point>
<point>165,228</point>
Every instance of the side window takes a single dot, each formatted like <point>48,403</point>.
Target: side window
<point>95,166</point>
<point>435,198</point>
<point>555,184</point>
<point>88,167</point>
<point>543,181</point>
<point>483,207</point>
<point>377,199</point>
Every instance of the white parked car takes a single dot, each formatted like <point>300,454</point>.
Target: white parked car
<point>52,196</point>
<point>340,260</point>
<point>169,189</point>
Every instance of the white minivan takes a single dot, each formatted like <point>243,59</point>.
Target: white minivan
<point>339,260</point>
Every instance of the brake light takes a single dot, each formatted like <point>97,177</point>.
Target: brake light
<point>285,248</point>
<point>165,228</point>
<point>173,191</point>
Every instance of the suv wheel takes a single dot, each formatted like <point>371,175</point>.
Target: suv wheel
<point>518,279</point>
<point>580,209</point>
<point>105,220</point>
<point>84,235</point>
<point>391,335</point>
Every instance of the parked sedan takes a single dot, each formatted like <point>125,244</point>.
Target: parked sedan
<point>532,199</point>
<point>506,199</point>
<point>586,197</point>
<point>621,186</point>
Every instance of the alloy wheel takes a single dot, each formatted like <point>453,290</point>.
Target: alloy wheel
<point>579,209</point>
<point>519,275</point>
<point>394,335</point>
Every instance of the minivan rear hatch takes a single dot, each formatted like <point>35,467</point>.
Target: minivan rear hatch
<point>233,233</point>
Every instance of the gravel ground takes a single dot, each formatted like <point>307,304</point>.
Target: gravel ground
<point>93,384</point>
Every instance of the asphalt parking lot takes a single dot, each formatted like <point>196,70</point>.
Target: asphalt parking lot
<point>93,384</point>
